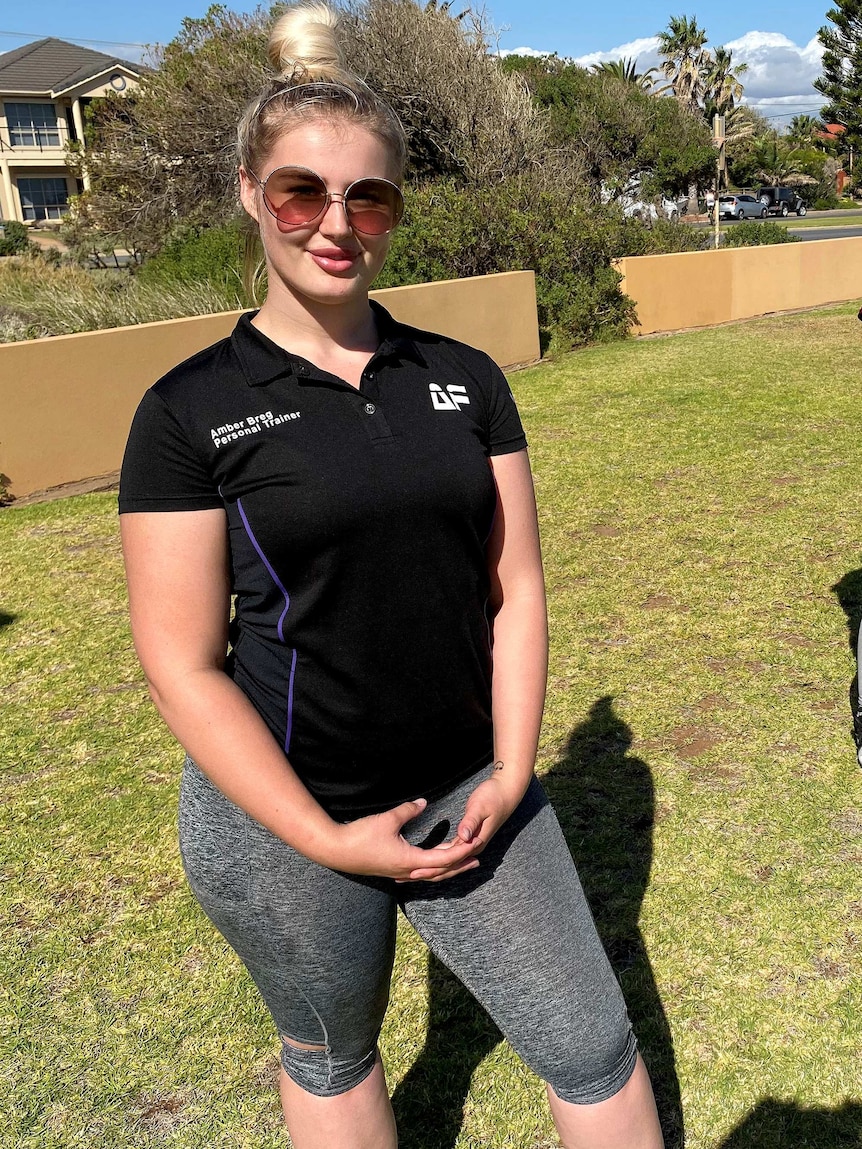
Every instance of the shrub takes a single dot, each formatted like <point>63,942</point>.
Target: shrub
<point>14,239</point>
<point>749,233</point>
<point>452,232</point>
<point>193,255</point>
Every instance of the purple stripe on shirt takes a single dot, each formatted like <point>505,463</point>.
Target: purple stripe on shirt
<point>268,566</point>
<point>289,727</point>
<point>281,587</point>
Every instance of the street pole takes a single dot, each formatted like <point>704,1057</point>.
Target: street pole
<point>718,139</point>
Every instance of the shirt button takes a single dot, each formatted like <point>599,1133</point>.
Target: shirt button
<point>370,408</point>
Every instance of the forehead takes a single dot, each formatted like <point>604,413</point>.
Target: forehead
<point>335,149</point>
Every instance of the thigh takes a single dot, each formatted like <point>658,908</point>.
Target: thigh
<point>318,944</point>
<point>519,933</point>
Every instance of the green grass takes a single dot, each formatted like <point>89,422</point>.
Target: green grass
<point>699,512</point>
<point>809,221</point>
<point>794,222</point>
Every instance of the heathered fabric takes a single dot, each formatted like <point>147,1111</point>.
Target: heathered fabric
<point>320,944</point>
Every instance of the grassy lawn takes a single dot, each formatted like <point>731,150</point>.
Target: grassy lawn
<point>699,508</point>
<point>806,222</point>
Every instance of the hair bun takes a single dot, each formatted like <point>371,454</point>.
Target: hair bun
<point>304,40</point>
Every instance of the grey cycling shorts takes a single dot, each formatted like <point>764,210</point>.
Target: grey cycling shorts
<point>320,944</point>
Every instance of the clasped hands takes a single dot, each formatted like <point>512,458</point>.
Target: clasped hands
<point>375,845</point>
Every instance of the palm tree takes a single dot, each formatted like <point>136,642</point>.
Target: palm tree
<point>626,70</point>
<point>722,86</point>
<point>684,61</point>
<point>776,162</point>
<point>805,131</point>
<point>682,48</point>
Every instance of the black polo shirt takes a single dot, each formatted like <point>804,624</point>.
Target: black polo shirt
<point>357,522</point>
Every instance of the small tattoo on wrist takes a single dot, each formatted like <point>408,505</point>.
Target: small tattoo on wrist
<point>498,766</point>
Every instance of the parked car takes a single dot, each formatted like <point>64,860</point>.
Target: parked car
<point>741,207</point>
<point>781,201</point>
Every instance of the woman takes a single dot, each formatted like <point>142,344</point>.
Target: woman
<point>363,489</point>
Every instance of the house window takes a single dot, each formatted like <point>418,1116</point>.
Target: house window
<point>32,126</point>
<point>45,198</point>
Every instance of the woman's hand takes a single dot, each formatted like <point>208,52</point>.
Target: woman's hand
<point>490,805</point>
<point>375,846</point>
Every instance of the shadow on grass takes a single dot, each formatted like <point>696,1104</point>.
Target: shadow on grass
<point>429,1102</point>
<point>6,619</point>
<point>777,1124</point>
<point>604,800</point>
<point>848,591</point>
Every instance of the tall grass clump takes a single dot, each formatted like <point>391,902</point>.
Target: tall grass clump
<point>37,300</point>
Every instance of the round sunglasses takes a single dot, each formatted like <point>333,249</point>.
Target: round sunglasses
<point>297,197</point>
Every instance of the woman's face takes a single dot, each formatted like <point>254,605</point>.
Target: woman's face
<point>324,261</point>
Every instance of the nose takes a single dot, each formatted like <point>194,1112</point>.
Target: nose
<point>337,223</point>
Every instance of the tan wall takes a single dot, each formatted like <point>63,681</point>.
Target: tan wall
<point>66,402</point>
<point>701,288</point>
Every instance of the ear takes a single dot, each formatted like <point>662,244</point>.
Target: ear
<point>248,194</point>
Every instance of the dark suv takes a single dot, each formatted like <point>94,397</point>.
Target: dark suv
<point>781,201</point>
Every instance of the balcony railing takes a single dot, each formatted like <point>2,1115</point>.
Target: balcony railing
<point>39,146</point>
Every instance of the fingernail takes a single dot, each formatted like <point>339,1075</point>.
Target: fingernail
<point>421,803</point>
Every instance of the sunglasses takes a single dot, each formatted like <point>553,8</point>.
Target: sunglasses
<point>297,197</point>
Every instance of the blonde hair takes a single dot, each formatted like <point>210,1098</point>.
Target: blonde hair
<point>312,83</point>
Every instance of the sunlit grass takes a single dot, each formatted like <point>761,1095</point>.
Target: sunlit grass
<point>699,508</point>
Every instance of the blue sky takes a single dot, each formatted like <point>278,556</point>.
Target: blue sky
<point>776,40</point>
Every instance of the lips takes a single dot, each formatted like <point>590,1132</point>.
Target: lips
<point>334,259</point>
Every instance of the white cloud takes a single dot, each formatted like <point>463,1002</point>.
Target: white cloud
<point>523,52</point>
<point>644,50</point>
<point>779,71</point>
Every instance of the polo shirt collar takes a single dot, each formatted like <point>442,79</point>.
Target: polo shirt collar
<point>262,360</point>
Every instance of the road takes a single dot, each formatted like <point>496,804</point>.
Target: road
<point>809,233</point>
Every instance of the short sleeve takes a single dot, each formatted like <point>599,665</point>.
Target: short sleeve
<point>161,471</point>
<point>505,430</point>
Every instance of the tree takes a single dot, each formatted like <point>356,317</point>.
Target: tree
<point>841,78</point>
<point>465,116</point>
<point>612,132</point>
<point>777,162</point>
<point>682,46</point>
<point>707,83</point>
<point>804,131</point>
<point>163,156</point>
<point>721,83</point>
<point>626,69</point>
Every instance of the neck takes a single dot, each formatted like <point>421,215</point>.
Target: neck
<point>308,328</point>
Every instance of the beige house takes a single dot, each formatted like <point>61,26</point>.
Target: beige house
<point>44,88</point>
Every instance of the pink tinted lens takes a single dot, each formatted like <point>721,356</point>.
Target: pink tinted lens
<point>297,197</point>
<point>374,207</point>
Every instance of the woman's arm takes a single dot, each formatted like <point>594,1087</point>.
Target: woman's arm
<point>179,596</point>
<point>520,622</point>
<point>520,655</point>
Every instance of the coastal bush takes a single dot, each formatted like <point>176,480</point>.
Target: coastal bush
<point>751,233</point>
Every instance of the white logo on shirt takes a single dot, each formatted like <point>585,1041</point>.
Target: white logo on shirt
<point>452,399</point>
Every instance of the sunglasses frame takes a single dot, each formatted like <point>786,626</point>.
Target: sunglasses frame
<point>329,198</point>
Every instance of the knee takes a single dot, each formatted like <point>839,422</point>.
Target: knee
<point>595,1074</point>
<point>318,1070</point>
